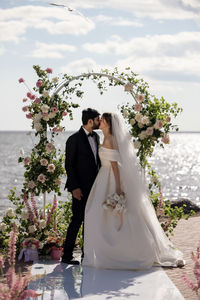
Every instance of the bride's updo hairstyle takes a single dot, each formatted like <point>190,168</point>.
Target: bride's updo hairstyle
<point>108,118</point>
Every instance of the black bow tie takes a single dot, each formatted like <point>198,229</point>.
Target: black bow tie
<point>91,134</point>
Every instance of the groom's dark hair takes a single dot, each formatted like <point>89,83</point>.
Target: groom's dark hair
<point>88,114</point>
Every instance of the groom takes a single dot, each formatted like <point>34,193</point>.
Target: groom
<point>82,164</point>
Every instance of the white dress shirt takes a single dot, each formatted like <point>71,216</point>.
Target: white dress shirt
<point>92,142</point>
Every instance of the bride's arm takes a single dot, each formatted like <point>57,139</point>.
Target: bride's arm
<point>108,142</point>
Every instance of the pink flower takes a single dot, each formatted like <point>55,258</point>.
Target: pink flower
<point>165,139</point>
<point>49,70</point>
<point>149,131</point>
<point>54,110</point>
<point>55,129</point>
<point>64,113</point>
<point>37,100</point>
<point>39,83</point>
<point>128,87</point>
<point>25,108</point>
<point>31,184</point>
<point>140,98</point>
<point>21,80</point>
<point>29,116</point>
<point>158,124</point>
<point>137,107</point>
<point>41,178</point>
<point>25,99</point>
<point>51,168</point>
<point>49,147</point>
<point>29,95</point>
<point>32,97</point>
<point>58,181</point>
<point>44,162</point>
<point>168,119</point>
<point>27,161</point>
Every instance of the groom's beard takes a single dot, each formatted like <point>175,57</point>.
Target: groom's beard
<point>95,126</point>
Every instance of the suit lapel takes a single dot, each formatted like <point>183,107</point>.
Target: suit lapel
<point>87,144</point>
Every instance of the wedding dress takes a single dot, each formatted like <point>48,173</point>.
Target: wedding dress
<point>140,243</point>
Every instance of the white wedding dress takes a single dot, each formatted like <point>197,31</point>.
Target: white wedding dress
<point>141,242</point>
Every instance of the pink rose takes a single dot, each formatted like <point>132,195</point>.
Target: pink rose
<point>49,147</point>
<point>128,87</point>
<point>21,80</point>
<point>168,119</point>
<point>51,168</point>
<point>54,110</point>
<point>49,70</point>
<point>25,108</point>
<point>29,95</point>
<point>37,100</point>
<point>41,178</point>
<point>137,107</point>
<point>158,124</point>
<point>58,181</point>
<point>31,184</point>
<point>44,162</point>
<point>55,129</point>
<point>32,97</point>
<point>39,83</point>
<point>64,113</point>
<point>29,116</point>
<point>27,161</point>
<point>25,99</point>
<point>140,98</point>
<point>165,139</point>
<point>149,131</point>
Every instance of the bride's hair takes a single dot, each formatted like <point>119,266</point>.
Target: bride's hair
<point>108,118</point>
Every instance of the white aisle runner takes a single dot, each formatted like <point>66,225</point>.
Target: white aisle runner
<point>63,282</point>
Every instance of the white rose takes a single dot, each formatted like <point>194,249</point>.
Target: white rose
<point>45,93</point>
<point>118,207</point>
<point>116,197</point>
<point>3,227</point>
<point>32,228</point>
<point>55,79</point>
<point>10,212</point>
<point>38,126</point>
<point>52,115</point>
<point>137,144</point>
<point>128,87</point>
<point>58,181</point>
<point>142,135</point>
<point>37,117</point>
<point>132,121</point>
<point>46,118</point>
<point>45,108</point>
<point>42,224</point>
<point>145,120</point>
<point>125,113</point>
<point>41,245</point>
<point>140,125</point>
<point>138,117</point>
<point>24,215</point>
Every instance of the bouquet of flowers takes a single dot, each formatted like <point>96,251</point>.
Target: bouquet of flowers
<point>30,243</point>
<point>54,240</point>
<point>115,203</point>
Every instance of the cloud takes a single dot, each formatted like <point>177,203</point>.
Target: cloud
<point>51,50</point>
<point>83,65</point>
<point>15,21</point>
<point>160,56</point>
<point>117,21</point>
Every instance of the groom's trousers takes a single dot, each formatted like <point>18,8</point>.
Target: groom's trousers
<point>78,211</point>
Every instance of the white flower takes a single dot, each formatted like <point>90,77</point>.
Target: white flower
<point>46,118</point>
<point>41,245</point>
<point>51,168</point>
<point>37,117</point>
<point>128,87</point>
<point>45,108</point>
<point>10,212</point>
<point>3,227</point>
<point>42,224</point>
<point>55,79</point>
<point>125,113</point>
<point>33,246</point>
<point>140,125</point>
<point>137,144</point>
<point>140,98</point>
<point>49,147</point>
<point>31,184</point>
<point>118,207</point>
<point>32,228</point>
<point>38,126</point>
<point>132,121</point>
<point>24,215</point>
<point>58,181</point>
<point>158,124</point>
<point>45,93</point>
<point>21,152</point>
<point>27,161</point>
<point>52,115</point>
<point>138,117</point>
<point>142,135</point>
<point>149,131</point>
<point>41,178</point>
<point>43,162</point>
<point>116,197</point>
<point>145,120</point>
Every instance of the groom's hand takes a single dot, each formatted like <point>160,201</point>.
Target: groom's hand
<point>77,193</point>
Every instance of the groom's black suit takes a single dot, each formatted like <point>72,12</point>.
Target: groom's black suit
<point>82,169</point>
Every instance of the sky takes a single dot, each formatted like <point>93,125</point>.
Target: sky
<point>158,39</point>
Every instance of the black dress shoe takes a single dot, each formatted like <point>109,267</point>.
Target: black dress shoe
<point>70,262</point>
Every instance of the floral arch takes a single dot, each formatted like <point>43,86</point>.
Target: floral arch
<point>46,105</point>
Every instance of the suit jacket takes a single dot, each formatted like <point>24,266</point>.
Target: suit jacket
<point>80,163</point>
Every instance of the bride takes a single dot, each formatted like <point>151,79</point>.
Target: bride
<point>128,240</point>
